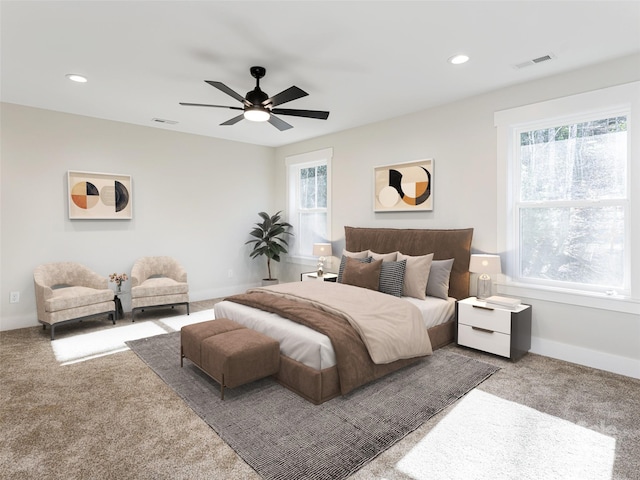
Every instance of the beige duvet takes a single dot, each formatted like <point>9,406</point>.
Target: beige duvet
<point>391,328</point>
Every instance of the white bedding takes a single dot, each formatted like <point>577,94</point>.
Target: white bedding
<point>307,346</point>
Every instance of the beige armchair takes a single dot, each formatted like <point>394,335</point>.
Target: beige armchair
<point>158,282</point>
<point>70,292</point>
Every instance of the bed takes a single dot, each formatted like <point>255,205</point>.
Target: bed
<point>313,365</point>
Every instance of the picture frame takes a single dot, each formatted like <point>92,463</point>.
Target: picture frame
<point>93,195</point>
<point>404,187</point>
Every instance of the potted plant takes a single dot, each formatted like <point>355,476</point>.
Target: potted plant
<point>269,240</point>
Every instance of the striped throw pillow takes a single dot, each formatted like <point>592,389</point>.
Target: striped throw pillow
<point>392,277</point>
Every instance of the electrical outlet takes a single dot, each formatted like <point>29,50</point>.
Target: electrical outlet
<point>14,297</point>
<point>230,273</point>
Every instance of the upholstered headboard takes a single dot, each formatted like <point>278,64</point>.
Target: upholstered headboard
<point>444,244</point>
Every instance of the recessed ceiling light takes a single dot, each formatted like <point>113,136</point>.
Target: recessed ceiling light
<point>459,59</point>
<point>74,77</point>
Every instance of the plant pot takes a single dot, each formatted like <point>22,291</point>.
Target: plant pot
<point>266,282</point>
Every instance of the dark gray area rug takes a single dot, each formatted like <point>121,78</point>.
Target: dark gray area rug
<point>282,436</point>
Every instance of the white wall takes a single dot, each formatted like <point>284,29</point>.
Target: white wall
<point>194,198</point>
<point>462,139</point>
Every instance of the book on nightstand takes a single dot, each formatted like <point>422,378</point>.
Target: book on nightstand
<point>505,302</point>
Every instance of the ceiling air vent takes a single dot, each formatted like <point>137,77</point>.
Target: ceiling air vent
<point>528,63</point>
<point>162,120</point>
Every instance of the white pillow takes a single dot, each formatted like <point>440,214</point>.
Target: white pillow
<point>416,275</point>
<point>385,257</point>
<point>363,254</point>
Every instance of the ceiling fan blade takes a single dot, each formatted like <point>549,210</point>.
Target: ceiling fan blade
<point>291,93</point>
<point>207,105</point>
<point>321,115</point>
<point>279,124</point>
<point>223,88</point>
<point>234,120</point>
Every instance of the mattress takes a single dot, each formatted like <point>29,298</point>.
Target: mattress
<point>307,346</point>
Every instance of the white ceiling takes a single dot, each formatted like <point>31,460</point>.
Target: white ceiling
<point>364,61</point>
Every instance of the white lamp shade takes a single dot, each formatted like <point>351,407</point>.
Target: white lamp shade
<point>321,249</point>
<point>485,264</point>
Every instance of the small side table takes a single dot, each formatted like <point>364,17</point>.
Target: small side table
<point>494,329</point>
<point>327,277</point>
<point>118,302</point>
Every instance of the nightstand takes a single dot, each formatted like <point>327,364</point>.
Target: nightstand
<point>494,329</point>
<point>327,277</point>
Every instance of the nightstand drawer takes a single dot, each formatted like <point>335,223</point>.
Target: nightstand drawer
<point>327,277</point>
<point>484,339</point>
<point>497,320</point>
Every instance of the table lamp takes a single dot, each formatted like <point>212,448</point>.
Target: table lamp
<point>483,265</point>
<point>321,250</point>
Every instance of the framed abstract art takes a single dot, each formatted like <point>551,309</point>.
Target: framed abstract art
<point>99,195</point>
<point>404,187</point>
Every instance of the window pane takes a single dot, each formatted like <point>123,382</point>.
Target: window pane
<point>308,187</point>
<point>582,161</point>
<point>579,245</point>
<point>312,229</point>
<point>322,186</point>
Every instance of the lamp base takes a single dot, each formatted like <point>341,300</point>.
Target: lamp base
<point>484,287</point>
<point>320,271</point>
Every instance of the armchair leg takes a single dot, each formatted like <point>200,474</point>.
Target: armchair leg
<point>52,328</point>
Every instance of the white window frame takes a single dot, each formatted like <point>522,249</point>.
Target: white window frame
<point>599,103</point>
<point>293,164</point>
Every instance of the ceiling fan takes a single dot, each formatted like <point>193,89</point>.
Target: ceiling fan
<point>259,107</point>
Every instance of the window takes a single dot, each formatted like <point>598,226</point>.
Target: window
<point>565,204</point>
<point>309,182</point>
<point>572,207</point>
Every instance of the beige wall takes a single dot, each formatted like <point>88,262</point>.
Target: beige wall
<point>461,137</point>
<point>194,198</point>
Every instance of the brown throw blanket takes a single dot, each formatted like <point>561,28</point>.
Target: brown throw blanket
<point>354,364</point>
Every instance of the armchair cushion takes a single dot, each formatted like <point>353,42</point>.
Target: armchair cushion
<point>74,297</point>
<point>155,286</point>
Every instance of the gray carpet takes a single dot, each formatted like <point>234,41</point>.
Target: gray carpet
<point>282,436</point>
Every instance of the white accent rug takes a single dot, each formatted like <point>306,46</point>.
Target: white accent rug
<point>487,437</point>
<point>176,323</point>
<point>104,342</point>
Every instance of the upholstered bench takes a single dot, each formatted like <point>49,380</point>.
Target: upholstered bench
<point>229,353</point>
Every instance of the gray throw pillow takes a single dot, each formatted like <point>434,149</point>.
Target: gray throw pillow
<point>438,283</point>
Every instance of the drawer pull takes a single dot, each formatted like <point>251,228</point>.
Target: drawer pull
<point>483,329</point>
<point>482,307</point>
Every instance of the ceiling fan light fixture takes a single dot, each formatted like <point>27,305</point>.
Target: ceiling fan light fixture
<point>257,106</point>
<point>256,114</point>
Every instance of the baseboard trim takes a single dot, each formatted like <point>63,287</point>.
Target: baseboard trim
<point>629,367</point>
